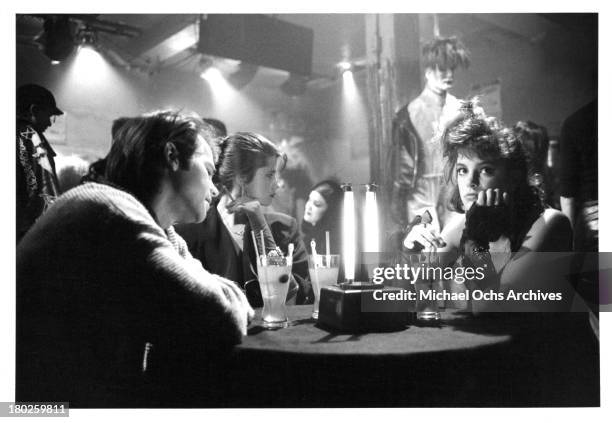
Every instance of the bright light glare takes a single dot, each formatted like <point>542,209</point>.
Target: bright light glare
<point>354,115</point>
<point>182,40</point>
<point>55,62</point>
<point>349,86</point>
<point>370,223</point>
<point>212,75</point>
<point>345,66</point>
<point>175,44</point>
<point>90,66</point>
<point>224,95</point>
<point>348,235</point>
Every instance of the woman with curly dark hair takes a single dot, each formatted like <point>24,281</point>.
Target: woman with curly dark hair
<point>501,216</point>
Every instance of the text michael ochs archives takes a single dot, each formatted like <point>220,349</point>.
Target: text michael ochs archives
<point>467,295</point>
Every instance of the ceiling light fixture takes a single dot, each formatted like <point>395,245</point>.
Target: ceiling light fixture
<point>57,39</point>
<point>243,75</point>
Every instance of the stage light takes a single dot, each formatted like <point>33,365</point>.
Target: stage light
<point>56,40</point>
<point>212,75</point>
<point>243,75</point>
<point>348,233</point>
<point>370,221</point>
<point>223,93</point>
<point>347,69</point>
<point>344,66</point>
<point>347,76</point>
<point>89,64</point>
<point>182,40</point>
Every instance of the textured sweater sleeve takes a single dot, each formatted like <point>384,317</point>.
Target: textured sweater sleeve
<point>193,306</point>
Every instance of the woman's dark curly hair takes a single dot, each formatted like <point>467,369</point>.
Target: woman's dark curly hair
<point>475,134</point>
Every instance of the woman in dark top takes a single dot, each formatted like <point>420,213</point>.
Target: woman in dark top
<point>248,174</point>
<point>503,224</point>
<point>323,213</point>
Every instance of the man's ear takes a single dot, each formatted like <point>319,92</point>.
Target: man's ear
<point>171,156</point>
<point>32,110</point>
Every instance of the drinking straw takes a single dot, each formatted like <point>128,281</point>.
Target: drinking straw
<point>313,247</point>
<point>290,254</point>
<point>327,249</point>
<point>263,248</point>
<point>256,249</point>
<point>263,243</point>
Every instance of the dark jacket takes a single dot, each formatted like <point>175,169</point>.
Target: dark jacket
<point>404,164</point>
<point>212,244</point>
<point>37,185</point>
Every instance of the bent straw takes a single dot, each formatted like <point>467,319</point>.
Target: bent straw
<point>313,246</point>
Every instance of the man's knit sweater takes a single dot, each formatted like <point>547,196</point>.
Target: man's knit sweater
<point>97,280</point>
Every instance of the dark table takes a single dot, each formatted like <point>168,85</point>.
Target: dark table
<point>513,359</point>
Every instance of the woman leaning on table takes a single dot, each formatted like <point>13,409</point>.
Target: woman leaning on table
<point>502,223</point>
<point>248,171</point>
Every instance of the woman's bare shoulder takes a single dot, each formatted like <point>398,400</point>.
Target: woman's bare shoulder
<point>551,219</point>
<point>551,231</point>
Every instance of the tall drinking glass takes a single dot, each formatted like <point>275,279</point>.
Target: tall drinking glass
<point>323,271</point>
<point>274,284</point>
<point>427,286</point>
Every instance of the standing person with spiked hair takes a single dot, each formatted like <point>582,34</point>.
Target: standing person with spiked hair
<point>417,126</point>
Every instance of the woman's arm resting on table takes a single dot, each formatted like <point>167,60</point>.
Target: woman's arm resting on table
<point>539,263</point>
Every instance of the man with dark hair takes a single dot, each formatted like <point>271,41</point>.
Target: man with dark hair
<point>37,184</point>
<point>417,127</point>
<point>219,130</point>
<point>112,309</point>
<point>219,127</point>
